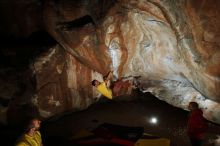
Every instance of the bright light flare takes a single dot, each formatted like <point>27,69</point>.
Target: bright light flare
<point>153,120</point>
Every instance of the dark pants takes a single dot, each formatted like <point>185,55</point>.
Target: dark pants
<point>196,142</point>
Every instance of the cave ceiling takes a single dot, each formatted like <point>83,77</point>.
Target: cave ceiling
<point>172,45</point>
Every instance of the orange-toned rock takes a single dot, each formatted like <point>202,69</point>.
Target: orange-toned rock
<point>62,83</point>
<point>172,45</point>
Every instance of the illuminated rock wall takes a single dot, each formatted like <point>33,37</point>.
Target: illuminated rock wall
<point>172,45</point>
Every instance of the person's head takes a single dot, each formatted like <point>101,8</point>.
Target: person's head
<point>95,83</point>
<point>193,106</point>
<point>33,124</point>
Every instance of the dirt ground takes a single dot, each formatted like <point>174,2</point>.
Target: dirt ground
<point>171,123</point>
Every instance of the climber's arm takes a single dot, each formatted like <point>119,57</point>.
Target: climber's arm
<point>108,77</point>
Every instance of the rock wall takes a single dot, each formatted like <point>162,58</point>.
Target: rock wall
<point>172,45</point>
<point>20,18</point>
<point>165,42</point>
<point>62,83</point>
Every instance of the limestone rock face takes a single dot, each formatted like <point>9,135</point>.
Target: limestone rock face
<point>172,45</point>
<point>62,83</point>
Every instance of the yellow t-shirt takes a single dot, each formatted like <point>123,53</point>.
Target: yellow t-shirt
<point>27,140</point>
<point>104,90</point>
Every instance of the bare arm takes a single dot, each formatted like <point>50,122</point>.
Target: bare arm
<point>108,76</point>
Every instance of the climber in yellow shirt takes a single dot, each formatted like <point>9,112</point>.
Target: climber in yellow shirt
<point>32,136</point>
<point>109,89</point>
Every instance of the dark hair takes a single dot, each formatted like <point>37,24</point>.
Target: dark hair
<point>29,127</point>
<point>194,105</point>
<point>93,82</point>
<point>29,124</point>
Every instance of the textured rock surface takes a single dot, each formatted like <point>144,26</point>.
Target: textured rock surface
<point>168,43</point>
<point>62,83</point>
<point>172,45</point>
